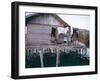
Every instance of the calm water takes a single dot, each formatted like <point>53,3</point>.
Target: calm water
<point>49,60</point>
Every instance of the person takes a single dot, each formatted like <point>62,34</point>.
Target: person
<point>74,36</point>
<point>65,40</point>
<point>68,37</point>
<point>53,35</point>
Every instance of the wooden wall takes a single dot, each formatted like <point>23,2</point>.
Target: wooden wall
<point>38,34</point>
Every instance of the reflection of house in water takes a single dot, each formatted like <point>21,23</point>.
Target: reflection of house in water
<point>42,29</point>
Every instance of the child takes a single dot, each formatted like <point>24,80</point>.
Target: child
<point>65,40</point>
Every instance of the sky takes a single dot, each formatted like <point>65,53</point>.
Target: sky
<point>77,21</point>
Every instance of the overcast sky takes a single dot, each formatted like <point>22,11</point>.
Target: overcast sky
<point>77,21</point>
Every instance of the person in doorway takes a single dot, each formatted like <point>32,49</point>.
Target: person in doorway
<point>53,35</point>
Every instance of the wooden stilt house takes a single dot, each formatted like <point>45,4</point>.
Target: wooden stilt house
<point>42,28</point>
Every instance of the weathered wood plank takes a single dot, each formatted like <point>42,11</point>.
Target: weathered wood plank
<point>46,19</point>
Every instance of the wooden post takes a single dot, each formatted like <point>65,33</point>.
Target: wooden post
<point>41,57</point>
<point>57,57</point>
<point>31,50</point>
